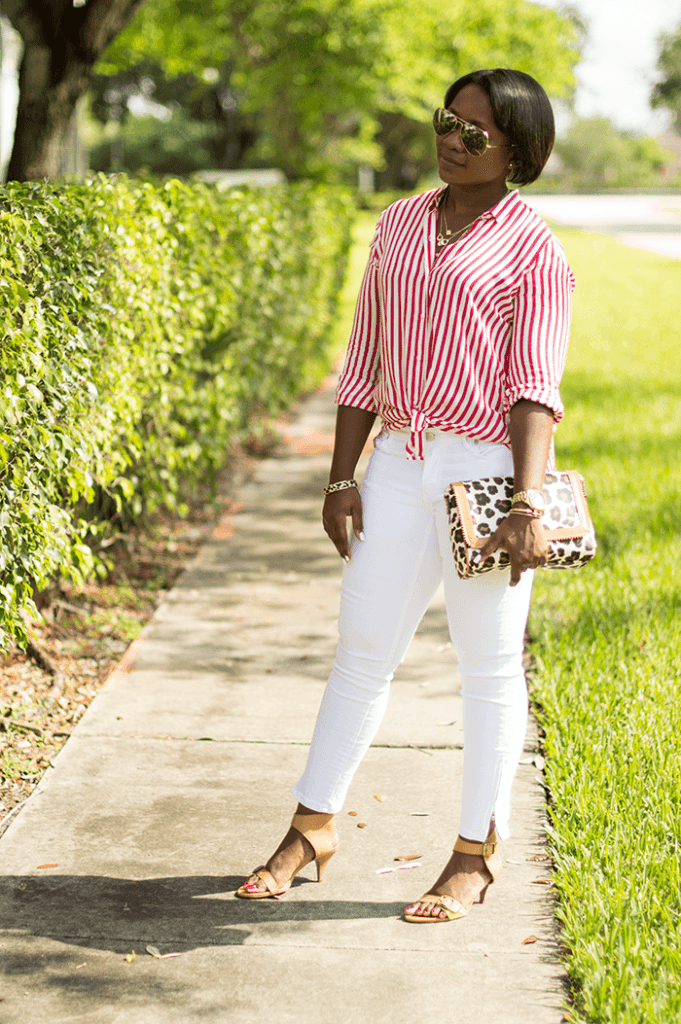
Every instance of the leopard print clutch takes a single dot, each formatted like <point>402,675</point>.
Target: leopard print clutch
<point>475,508</point>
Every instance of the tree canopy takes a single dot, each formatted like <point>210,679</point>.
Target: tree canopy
<point>316,85</point>
<point>667,92</point>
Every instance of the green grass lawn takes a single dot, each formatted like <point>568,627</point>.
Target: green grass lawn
<point>607,638</point>
<point>607,641</point>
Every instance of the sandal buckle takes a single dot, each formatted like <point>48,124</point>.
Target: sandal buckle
<point>488,849</point>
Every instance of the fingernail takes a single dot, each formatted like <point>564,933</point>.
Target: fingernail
<point>361,536</point>
<point>346,558</point>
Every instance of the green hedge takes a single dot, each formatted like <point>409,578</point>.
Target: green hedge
<point>143,326</point>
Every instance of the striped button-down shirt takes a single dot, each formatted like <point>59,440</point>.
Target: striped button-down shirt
<point>453,343</point>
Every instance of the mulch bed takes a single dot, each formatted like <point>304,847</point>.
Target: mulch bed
<point>80,636</point>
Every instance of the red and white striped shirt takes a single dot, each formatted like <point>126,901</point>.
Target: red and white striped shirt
<point>453,343</point>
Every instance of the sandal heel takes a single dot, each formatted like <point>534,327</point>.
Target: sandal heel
<point>321,863</point>
<point>320,832</point>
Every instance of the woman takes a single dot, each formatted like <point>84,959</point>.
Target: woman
<point>458,343</point>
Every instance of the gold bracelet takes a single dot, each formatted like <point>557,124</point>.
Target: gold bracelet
<point>525,512</point>
<point>340,485</point>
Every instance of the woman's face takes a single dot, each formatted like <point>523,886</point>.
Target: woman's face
<point>455,165</point>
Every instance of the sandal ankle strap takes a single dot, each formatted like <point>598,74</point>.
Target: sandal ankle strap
<point>485,849</point>
<point>318,829</point>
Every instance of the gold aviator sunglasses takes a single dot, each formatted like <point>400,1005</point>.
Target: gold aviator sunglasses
<point>475,140</point>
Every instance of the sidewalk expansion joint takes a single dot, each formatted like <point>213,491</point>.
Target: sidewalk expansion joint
<point>424,748</point>
<point>546,955</point>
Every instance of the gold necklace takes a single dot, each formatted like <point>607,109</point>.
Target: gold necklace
<point>449,236</point>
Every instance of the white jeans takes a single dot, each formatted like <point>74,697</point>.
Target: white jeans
<point>386,589</point>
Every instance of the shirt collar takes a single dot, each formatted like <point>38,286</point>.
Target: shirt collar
<point>499,212</point>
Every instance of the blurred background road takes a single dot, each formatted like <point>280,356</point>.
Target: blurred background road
<point>651,222</point>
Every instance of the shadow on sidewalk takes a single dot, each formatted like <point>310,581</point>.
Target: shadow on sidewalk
<point>179,914</point>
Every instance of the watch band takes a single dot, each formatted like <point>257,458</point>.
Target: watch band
<point>525,496</point>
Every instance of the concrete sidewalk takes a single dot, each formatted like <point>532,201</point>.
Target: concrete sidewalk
<point>175,785</point>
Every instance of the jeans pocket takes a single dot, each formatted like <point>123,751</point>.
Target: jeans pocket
<point>390,443</point>
<point>492,458</point>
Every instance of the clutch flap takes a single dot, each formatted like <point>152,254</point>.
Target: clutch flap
<point>483,504</point>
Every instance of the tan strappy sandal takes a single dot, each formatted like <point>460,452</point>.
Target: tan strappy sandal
<point>454,910</point>
<point>320,832</point>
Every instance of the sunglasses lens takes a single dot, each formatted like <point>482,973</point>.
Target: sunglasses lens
<point>474,140</point>
<point>443,122</point>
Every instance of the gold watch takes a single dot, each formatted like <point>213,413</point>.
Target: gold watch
<point>532,497</point>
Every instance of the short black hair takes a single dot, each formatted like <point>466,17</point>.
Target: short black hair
<point>522,111</point>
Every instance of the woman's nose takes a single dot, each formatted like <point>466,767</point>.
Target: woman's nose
<point>453,141</point>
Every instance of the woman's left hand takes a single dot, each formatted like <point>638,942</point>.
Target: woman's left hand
<point>525,541</point>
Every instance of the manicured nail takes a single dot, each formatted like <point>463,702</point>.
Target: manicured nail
<point>361,536</point>
<point>346,558</point>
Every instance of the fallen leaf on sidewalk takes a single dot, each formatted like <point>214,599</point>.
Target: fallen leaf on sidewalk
<point>420,814</point>
<point>380,797</point>
<point>529,940</point>
<point>158,955</point>
<point>539,856</point>
<point>353,814</point>
<point>541,881</point>
<point>410,856</point>
<point>130,957</point>
<point>361,824</point>
<point>41,866</point>
<point>398,867</point>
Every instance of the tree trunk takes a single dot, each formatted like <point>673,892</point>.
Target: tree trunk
<point>44,114</point>
<point>62,43</point>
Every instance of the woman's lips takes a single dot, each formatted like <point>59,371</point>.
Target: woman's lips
<point>450,161</point>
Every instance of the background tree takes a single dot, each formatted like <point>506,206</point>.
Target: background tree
<point>667,92</point>
<point>596,155</point>
<point>63,40</point>
<point>318,86</point>
<point>191,121</point>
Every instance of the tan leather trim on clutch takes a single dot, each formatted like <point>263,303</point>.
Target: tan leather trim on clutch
<point>471,538</point>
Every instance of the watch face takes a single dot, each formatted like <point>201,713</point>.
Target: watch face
<point>536,499</point>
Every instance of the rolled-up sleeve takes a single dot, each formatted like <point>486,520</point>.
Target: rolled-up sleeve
<point>541,328</point>
<point>359,378</point>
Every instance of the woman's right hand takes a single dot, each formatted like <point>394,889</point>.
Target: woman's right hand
<point>337,507</point>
